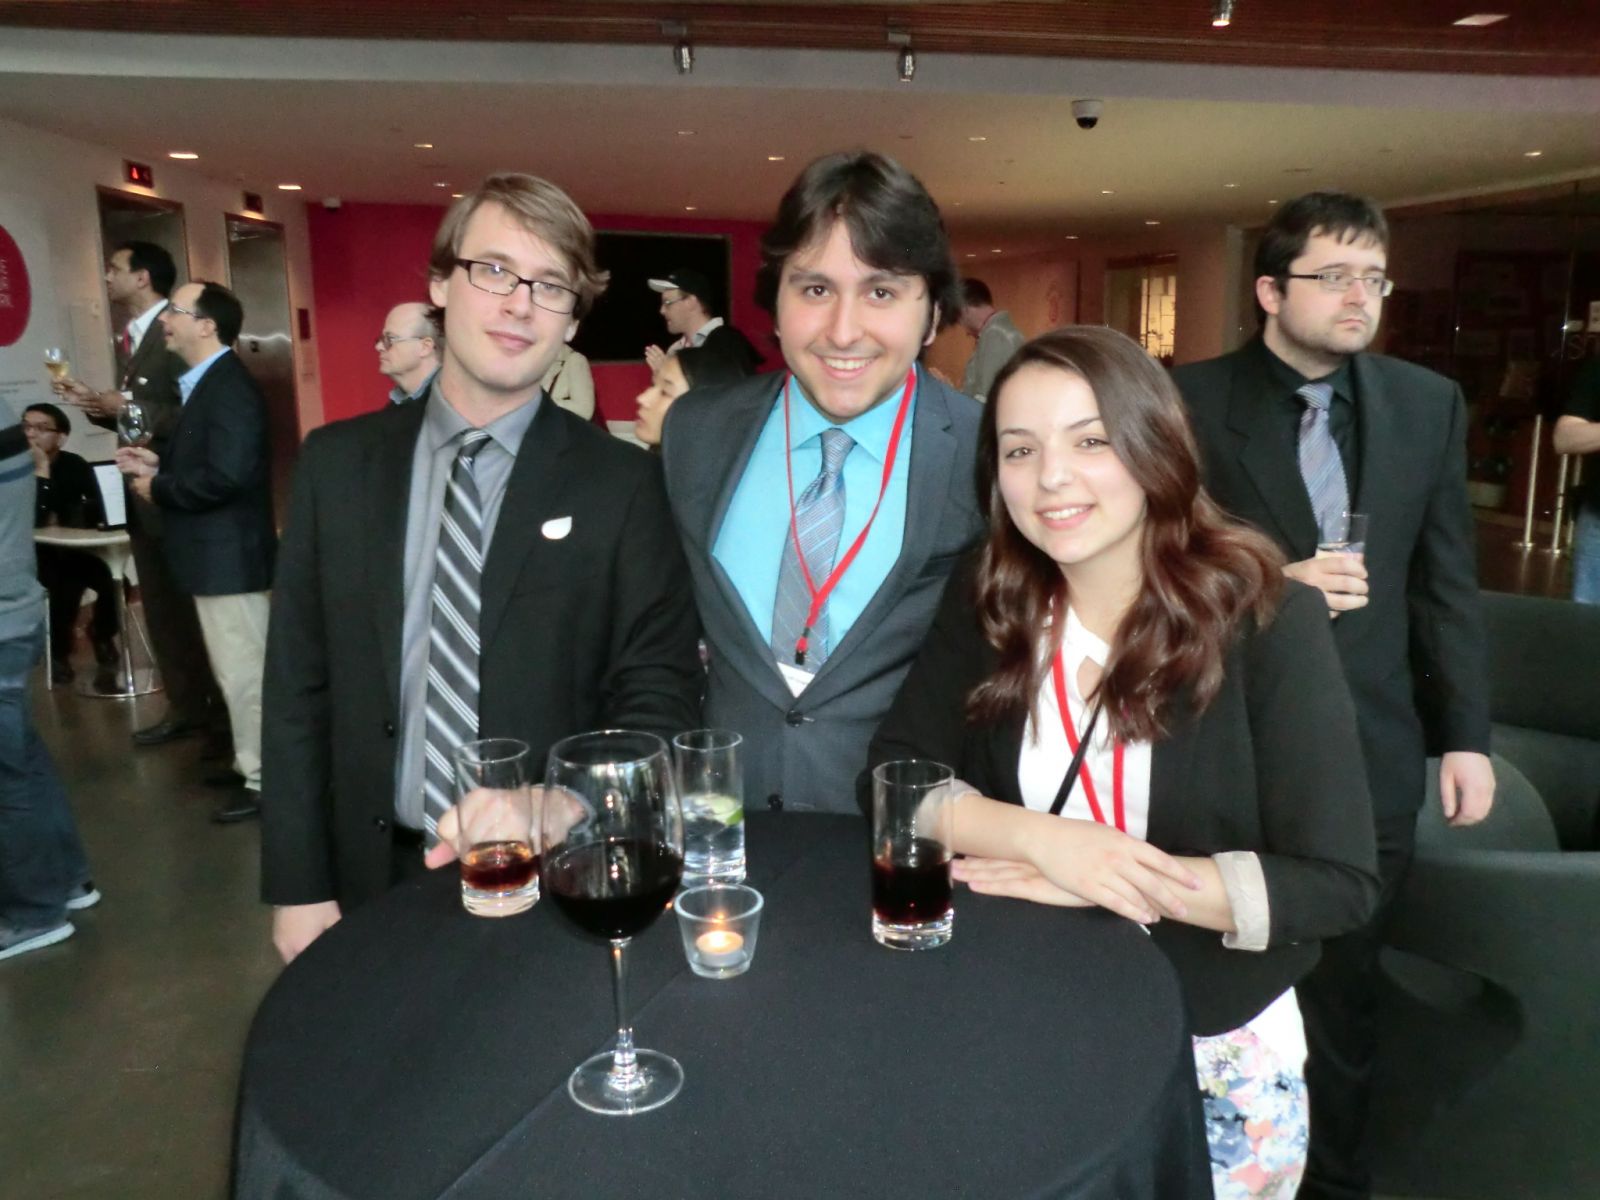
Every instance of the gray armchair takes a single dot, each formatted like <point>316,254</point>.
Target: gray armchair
<point>1489,1077</point>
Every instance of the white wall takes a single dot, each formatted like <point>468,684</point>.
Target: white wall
<point>60,176</point>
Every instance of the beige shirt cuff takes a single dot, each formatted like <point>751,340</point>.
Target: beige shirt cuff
<point>1246,886</point>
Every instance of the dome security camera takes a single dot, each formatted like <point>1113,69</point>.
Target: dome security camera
<point>1087,112</point>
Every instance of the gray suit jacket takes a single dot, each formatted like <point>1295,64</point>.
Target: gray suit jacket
<point>804,752</point>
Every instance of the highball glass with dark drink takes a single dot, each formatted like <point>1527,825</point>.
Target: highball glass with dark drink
<point>613,856</point>
<point>497,836</point>
<point>911,814</point>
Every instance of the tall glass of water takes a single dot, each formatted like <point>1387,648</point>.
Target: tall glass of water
<point>711,788</point>
<point>1342,533</point>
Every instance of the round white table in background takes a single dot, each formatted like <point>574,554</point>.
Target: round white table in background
<point>113,546</point>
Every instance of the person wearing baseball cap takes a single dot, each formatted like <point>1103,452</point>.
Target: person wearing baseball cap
<point>689,310</point>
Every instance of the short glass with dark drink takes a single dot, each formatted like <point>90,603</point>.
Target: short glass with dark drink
<point>911,814</point>
<point>497,836</point>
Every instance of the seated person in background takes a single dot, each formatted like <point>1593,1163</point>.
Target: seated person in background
<point>66,495</point>
<point>570,383</point>
<point>679,372</point>
<point>1221,787</point>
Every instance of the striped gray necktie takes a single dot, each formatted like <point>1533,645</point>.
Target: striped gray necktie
<point>819,520</point>
<point>1320,464</point>
<point>452,703</point>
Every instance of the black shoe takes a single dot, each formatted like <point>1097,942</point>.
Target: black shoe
<point>224,779</point>
<point>243,805</point>
<point>168,729</point>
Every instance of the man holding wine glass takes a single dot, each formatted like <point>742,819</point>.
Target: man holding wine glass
<point>213,487</point>
<point>139,277</point>
<point>480,564</point>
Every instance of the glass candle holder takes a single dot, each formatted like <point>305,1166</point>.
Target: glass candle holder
<point>719,923</point>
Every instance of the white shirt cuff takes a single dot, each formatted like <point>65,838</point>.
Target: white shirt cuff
<point>1246,886</point>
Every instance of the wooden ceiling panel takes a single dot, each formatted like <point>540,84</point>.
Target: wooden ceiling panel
<point>1559,39</point>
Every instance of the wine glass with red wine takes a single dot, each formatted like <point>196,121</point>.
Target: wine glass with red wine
<point>613,855</point>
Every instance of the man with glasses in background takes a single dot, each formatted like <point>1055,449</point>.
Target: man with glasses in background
<point>479,564</point>
<point>408,351</point>
<point>690,312</point>
<point>1296,429</point>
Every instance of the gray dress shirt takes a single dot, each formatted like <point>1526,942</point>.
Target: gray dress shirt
<point>437,445</point>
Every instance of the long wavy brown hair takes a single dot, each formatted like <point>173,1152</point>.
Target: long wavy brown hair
<point>1203,573</point>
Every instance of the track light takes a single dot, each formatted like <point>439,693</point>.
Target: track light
<point>1222,13</point>
<point>683,49</point>
<point>905,59</point>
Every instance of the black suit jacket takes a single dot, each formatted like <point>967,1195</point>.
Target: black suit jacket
<point>70,495</point>
<point>590,630</point>
<point>1272,765</point>
<point>1414,656</point>
<point>214,487</point>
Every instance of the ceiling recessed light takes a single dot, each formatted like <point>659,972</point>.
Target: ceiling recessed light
<point>456,195</point>
<point>1107,192</point>
<point>183,154</point>
<point>288,187</point>
<point>979,138</point>
<point>422,145</point>
<point>685,133</point>
<point>1072,237</point>
<point>1532,153</point>
<point>774,158</point>
<point>956,204</point>
<point>688,208</point>
<point>1271,201</point>
<point>1222,14</point>
<point>1230,185</point>
<point>1152,222</point>
<point>442,183</point>
<point>1481,19</point>
<point>994,252</point>
<point>972,256</point>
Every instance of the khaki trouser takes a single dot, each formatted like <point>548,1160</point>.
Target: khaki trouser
<point>235,630</point>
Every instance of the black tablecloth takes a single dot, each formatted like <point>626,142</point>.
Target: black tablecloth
<point>418,1052</point>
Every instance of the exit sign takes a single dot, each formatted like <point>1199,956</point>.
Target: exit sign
<point>138,174</point>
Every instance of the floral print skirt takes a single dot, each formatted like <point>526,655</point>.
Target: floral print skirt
<point>1255,1113</point>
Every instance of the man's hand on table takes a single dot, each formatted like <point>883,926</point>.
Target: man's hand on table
<point>296,926</point>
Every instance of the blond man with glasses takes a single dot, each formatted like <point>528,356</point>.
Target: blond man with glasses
<point>481,563</point>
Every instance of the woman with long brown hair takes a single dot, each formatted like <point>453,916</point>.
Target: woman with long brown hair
<point>1147,717</point>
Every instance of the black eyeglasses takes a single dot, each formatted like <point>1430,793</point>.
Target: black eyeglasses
<point>1340,281</point>
<point>498,281</point>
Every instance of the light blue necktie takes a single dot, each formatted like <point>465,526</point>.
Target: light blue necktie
<point>1320,464</point>
<point>819,520</point>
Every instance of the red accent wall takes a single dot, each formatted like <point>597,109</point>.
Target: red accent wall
<point>366,258</point>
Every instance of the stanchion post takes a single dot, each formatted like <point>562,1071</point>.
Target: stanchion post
<point>1533,483</point>
<point>1555,546</point>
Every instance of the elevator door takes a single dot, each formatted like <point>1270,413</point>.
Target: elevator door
<point>258,273</point>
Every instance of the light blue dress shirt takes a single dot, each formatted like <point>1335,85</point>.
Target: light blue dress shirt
<point>190,378</point>
<point>749,545</point>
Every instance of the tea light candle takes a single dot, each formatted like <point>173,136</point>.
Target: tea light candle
<point>719,947</point>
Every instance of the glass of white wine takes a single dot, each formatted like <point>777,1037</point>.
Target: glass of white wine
<point>57,363</point>
<point>133,424</point>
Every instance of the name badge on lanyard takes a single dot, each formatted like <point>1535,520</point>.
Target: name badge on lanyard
<point>819,595</point>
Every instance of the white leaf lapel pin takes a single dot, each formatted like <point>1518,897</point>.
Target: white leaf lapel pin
<point>556,528</point>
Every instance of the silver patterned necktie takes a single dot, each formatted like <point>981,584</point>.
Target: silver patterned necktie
<point>1320,464</point>
<point>818,522</point>
<point>451,711</point>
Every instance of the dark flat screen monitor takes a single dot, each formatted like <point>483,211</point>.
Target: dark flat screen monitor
<point>627,318</point>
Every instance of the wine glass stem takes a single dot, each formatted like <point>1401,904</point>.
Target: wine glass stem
<point>624,1066</point>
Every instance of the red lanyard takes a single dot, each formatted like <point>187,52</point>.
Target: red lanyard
<point>1058,673</point>
<point>819,596</point>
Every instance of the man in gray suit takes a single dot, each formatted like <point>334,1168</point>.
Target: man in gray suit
<point>823,507</point>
